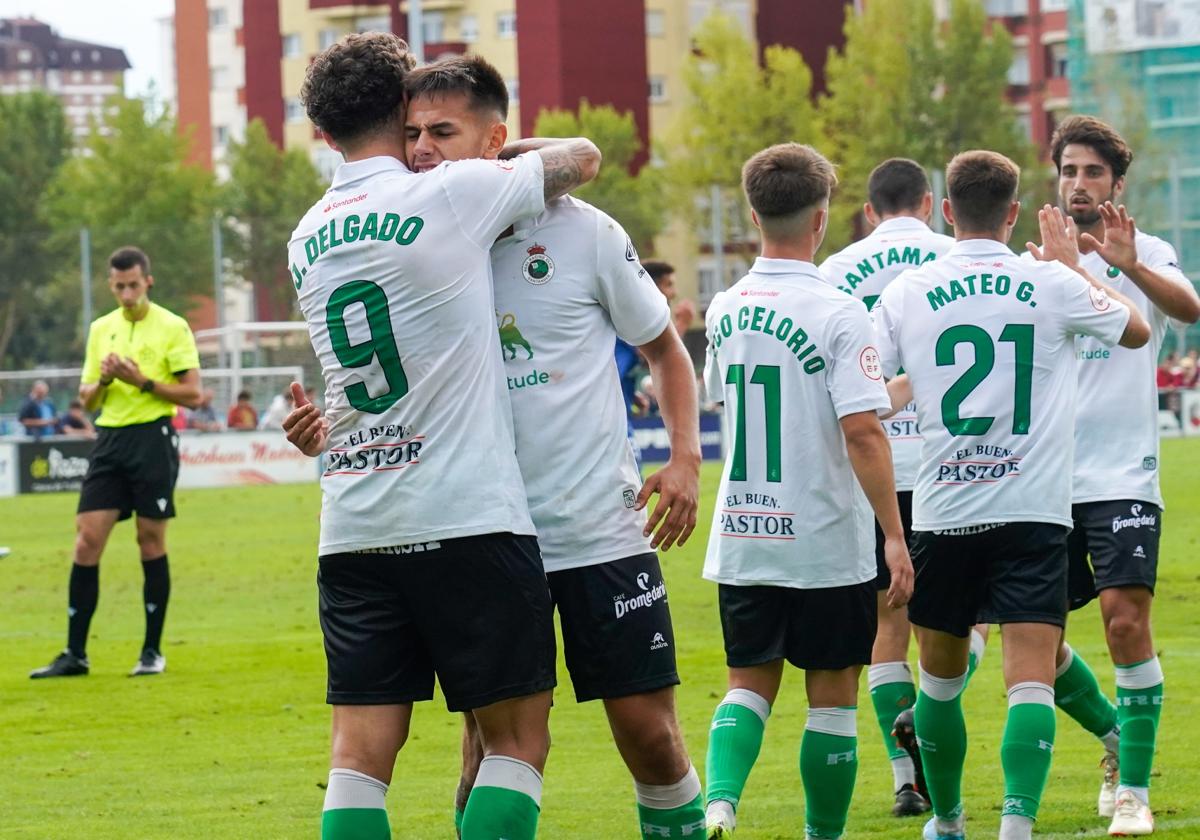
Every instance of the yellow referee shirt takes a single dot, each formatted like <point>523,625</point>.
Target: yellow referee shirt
<point>162,345</point>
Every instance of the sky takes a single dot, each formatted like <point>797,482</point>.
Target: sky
<point>131,25</point>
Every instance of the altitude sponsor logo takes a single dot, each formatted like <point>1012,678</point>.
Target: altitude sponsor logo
<point>756,516</point>
<point>982,464</point>
<point>650,595</point>
<point>375,449</point>
<point>1136,519</point>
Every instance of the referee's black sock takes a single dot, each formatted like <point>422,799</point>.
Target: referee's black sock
<point>156,591</point>
<point>82,595</point>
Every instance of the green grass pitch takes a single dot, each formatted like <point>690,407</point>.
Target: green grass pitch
<point>232,741</point>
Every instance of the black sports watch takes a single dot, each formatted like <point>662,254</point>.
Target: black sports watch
<point>147,387</point>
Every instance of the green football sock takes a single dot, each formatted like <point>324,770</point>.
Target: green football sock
<point>355,824</point>
<point>733,744</point>
<point>1139,706</point>
<point>354,807</point>
<point>1027,747</point>
<point>458,818</point>
<point>828,767</point>
<point>942,734</point>
<point>1077,693</point>
<point>671,811</point>
<point>505,802</point>
<point>892,691</point>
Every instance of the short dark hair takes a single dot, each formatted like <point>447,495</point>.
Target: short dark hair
<point>470,74</point>
<point>127,257</point>
<point>896,185</point>
<point>243,395</point>
<point>784,180</point>
<point>1097,134</point>
<point>75,404</point>
<point>356,87</point>
<point>981,186</point>
<point>657,269</point>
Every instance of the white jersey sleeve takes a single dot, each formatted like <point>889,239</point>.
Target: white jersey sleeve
<point>487,196</point>
<point>638,310</point>
<point>855,378</point>
<point>714,384</point>
<point>887,340</point>
<point>1088,310</point>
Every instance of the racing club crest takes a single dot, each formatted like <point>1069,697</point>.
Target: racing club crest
<point>538,268</point>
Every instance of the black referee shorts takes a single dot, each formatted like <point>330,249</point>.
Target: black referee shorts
<point>133,469</point>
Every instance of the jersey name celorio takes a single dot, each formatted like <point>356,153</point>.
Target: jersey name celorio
<point>864,269</point>
<point>1116,426</point>
<point>790,355</point>
<point>393,276</point>
<point>988,340</point>
<point>568,282</point>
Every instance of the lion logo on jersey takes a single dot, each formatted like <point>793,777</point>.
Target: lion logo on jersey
<point>510,336</point>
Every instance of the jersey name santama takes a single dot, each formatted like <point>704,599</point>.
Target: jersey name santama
<point>864,269</point>
<point>790,355</point>
<point>393,275</point>
<point>988,340</point>
<point>567,283</point>
<point>1116,421</point>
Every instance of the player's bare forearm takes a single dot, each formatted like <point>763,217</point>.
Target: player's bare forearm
<point>1174,299</point>
<point>526,144</point>
<point>675,383</point>
<point>568,164</point>
<point>673,518</point>
<point>871,459</point>
<point>900,392</point>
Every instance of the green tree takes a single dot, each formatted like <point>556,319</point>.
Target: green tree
<point>133,185</point>
<point>34,142</point>
<point>909,85</point>
<point>267,192</point>
<point>734,107</point>
<point>634,200</point>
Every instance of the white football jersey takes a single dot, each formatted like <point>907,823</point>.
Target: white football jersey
<point>393,275</point>
<point>1116,420</point>
<point>790,355</point>
<point>988,340</point>
<point>568,282</point>
<point>864,269</point>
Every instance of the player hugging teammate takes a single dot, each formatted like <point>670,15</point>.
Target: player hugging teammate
<point>470,306</point>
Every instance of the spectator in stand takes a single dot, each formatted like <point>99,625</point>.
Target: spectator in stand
<point>37,413</point>
<point>203,418</point>
<point>242,416</point>
<point>1189,373</point>
<point>76,423</point>
<point>1166,372</point>
<point>281,406</point>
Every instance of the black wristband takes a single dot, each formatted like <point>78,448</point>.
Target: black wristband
<point>147,387</point>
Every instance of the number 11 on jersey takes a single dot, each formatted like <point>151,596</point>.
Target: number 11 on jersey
<point>768,377</point>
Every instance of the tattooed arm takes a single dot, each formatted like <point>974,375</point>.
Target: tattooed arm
<point>567,163</point>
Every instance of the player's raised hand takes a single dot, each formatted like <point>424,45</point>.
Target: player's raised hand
<point>895,554</point>
<point>1119,247</point>
<point>1058,238</point>
<point>674,514</point>
<point>306,429</point>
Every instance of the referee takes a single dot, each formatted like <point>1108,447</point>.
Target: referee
<point>141,363</point>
